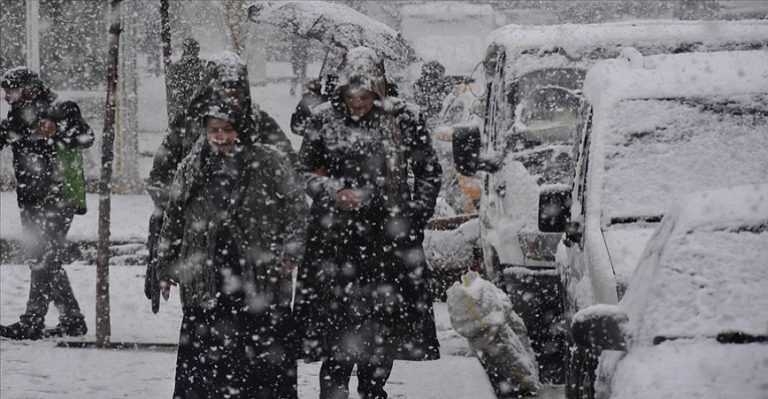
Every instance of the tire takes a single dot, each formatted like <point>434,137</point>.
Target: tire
<point>580,373</point>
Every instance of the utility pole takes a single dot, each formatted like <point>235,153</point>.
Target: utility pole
<point>103,325</point>
<point>33,35</point>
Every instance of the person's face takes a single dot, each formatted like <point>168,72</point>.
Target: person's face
<point>359,102</point>
<point>14,95</point>
<point>222,136</point>
<point>232,94</point>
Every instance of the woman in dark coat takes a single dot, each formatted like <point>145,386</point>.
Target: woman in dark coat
<point>374,179</point>
<point>232,233</point>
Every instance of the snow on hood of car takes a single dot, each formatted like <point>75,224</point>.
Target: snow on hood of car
<point>705,270</point>
<point>688,369</point>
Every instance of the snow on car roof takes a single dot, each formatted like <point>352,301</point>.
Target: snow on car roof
<point>726,207</point>
<point>705,270</point>
<point>577,38</point>
<point>447,10</point>
<point>677,75</point>
<point>580,46</point>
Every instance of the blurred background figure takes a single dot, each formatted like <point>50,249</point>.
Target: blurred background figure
<point>185,76</point>
<point>430,89</point>
<point>299,49</point>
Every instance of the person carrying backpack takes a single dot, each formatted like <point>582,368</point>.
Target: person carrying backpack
<point>46,137</point>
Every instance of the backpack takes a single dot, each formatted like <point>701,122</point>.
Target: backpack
<point>70,163</point>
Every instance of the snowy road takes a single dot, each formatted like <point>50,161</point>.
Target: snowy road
<point>40,370</point>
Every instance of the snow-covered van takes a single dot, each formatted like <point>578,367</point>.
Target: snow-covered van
<point>654,129</point>
<point>525,150</point>
<point>694,321</point>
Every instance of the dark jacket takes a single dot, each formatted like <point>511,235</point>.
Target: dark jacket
<point>366,267</point>
<point>265,218</point>
<point>185,77</point>
<point>38,181</point>
<point>430,89</point>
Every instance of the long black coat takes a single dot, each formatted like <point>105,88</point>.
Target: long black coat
<point>365,270</point>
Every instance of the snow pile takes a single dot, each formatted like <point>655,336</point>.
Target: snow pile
<point>482,313</point>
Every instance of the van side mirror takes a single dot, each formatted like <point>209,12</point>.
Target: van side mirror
<point>554,210</point>
<point>466,152</point>
<point>600,327</point>
<point>466,149</point>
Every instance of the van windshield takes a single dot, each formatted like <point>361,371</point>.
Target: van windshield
<point>659,149</point>
<point>546,105</point>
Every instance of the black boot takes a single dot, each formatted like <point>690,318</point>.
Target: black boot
<point>22,330</point>
<point>71,326</point>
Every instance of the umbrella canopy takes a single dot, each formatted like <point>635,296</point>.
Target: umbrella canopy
<point>336,25</point>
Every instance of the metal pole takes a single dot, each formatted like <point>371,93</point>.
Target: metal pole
<point>103,326</point>
<point>165,38</point>
<point>33,35</point>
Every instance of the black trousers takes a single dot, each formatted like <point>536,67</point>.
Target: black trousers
<point>47,229</point>
<point>221,355</point>
<point>372,375</point>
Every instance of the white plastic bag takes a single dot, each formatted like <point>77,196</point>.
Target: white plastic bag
<point>482,313</point>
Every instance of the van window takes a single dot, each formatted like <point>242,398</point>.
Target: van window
<point>545,105</point>
<point>659,149</point>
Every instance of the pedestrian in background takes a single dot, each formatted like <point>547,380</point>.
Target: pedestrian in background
<point>40,132</point>
<point>185,77</point>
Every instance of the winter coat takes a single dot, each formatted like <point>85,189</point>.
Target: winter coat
<point>367,265</point>
<point>39,182</point>
<point>264,218</point>
<point>430,89</point>
<point>185,77</point>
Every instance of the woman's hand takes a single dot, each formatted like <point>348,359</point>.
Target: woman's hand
<point>47,128</point>
<point>165,288</point>
<point>348,199</point>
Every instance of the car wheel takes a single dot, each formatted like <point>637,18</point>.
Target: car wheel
<point>580,373</point>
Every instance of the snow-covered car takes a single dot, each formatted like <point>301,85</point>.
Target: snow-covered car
<point>655,129</point>
<point>525,150</point>
<point>694,321</point>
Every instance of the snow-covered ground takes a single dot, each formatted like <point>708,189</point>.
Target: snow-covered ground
<point>39,369</point>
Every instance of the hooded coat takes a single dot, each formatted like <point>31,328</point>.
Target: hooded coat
<point>265,218</point>
<point>186,127</point>
<point>232,225</point>
<point>39,182</point>
<point>365,269</point>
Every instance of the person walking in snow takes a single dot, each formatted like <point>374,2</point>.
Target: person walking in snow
<point>311,97</point>
<point>430,89</point>
<point>228,77</point>
<point>39,130</point>
<point>185,76</point>
<point>364,283</point>
<point>233,233</point>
